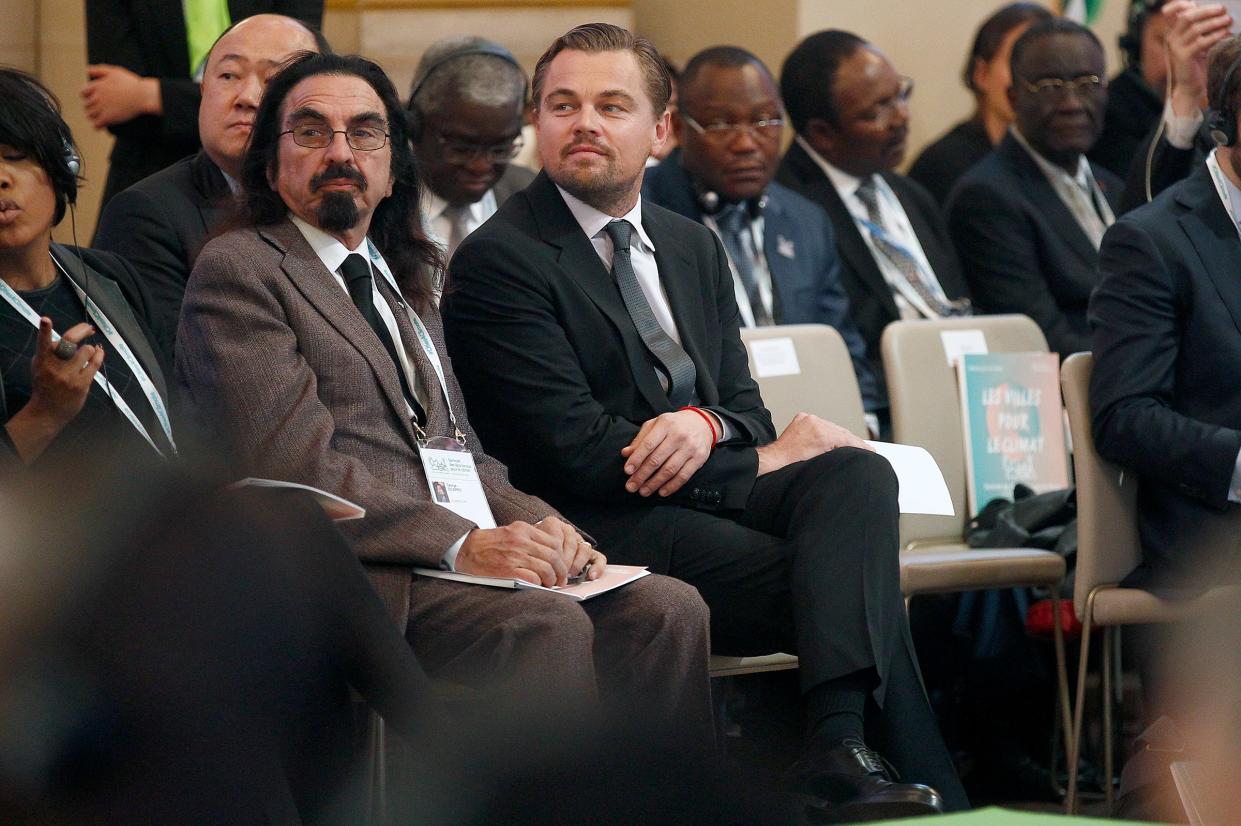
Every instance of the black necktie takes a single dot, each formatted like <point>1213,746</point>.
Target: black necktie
<point>358,279</point>
<point>673,361</point>
<point>732,221</point>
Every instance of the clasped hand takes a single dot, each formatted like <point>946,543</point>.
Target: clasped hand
<point>544,554</point>
<point>806,436</point>
<point>667,451</point>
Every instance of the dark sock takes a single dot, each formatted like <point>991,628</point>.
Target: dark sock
<point>835,710</point>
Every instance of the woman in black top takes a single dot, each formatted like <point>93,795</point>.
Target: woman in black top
<point>102,386</point>
<point>987,75</point>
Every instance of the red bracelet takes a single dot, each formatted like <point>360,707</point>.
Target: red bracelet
<point>715,436</point>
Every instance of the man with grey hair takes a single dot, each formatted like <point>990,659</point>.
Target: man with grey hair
<point>466,107</point>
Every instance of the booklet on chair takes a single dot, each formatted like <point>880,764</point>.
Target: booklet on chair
<point>1014,424</point>
<point>614,577</point>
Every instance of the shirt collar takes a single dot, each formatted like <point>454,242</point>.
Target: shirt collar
<point>435,206</point>
<point>592,221</point>
<point>841,180</point>
<point>1054,171</point>
<point>330,251</point>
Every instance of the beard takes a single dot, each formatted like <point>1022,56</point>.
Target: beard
<point>604,189</point>
<point>337,212</point>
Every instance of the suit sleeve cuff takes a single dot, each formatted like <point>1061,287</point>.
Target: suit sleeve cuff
<point>1180,130</point>
<point>449,561</point>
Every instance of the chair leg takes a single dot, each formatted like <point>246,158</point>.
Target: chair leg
<point>1062,685</point>
<point>1109,654</point>
<point>1079,704</point>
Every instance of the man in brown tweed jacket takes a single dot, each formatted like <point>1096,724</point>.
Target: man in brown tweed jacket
<point>302,383</point>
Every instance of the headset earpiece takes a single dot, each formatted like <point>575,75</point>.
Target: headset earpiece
<point>1222,122</point>
<point>72,161</point>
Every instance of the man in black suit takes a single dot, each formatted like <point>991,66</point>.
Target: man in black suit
<point>1028,220</point>
<point>145,67</point>
<point>1165,321</point>
<point>596,338</point>
<point>850,110</point>
<point>728,123</point>
<point>159,223</point>
<point>466,108</point>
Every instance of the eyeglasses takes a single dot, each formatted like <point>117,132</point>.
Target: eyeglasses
<point>767,129</point>
<point>880,115</point>
<point>360,138</point>
<point>1055,88</point>
<point>462,152</point>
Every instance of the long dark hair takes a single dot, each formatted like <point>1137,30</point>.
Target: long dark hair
<point>396,225</point>
<point>993,31</point>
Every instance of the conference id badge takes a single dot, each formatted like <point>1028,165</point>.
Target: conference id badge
<point>453,480</point>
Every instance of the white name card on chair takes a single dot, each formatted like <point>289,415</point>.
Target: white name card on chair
<point>959,342</point>
<point>923,489</point>
<point>774,357</point>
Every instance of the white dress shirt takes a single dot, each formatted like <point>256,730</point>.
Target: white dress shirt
<point>642,256</point>
<point>1079,192</point>
<point>333,253</point>
<point>438,225</point>
<point>896,223</point>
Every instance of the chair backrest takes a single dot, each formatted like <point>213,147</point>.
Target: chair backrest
<point>1108,547</point>
<point>926,404</point>
<point>805,367</point>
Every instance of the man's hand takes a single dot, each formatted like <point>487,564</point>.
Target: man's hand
<point>1195,29</point>
<point>114,95</point>
<point>541,554</point>
<point>576,551</point>
<point>667,451</point>
<point>806,436</point>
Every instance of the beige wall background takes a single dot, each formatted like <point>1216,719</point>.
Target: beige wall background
<point>925,40</point>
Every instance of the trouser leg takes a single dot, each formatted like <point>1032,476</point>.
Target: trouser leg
<point>652,642</point>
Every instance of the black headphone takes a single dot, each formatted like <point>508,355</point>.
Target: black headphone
<point>414,116</point>
<point>1131,40</point>
<point>1222,122</point>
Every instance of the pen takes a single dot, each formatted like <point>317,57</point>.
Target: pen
<point>580,576</point>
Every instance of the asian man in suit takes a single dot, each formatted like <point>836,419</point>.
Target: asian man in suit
<point>781,247</point>
<point>596,336</point>
<point>159,223</point>
<point>850,109</point>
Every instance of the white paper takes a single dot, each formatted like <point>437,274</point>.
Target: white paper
<point>337,509</point>
<point>454,484</point>
<point>774,357</point>
<point>923,489</point>
<point>959,342</point>
<point>613,577</point>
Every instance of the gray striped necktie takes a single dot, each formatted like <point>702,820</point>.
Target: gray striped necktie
<point>672,360</point>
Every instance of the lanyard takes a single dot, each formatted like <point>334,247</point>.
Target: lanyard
<point>1223,187</point>
<point>119,346</point>
<point>424,340</point>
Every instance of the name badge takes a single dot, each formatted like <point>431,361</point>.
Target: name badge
<point>453,480</point>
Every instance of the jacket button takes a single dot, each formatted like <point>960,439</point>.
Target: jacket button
<point>696,493</point>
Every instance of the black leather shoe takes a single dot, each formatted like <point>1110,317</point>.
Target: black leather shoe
<point>856,785</point>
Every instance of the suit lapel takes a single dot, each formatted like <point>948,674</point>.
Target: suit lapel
<point>1041,193</point>
<point>213,191</point>
<point>1214,238</point>
<point>320,288</point>
<point>577,257</point>
<point>849,241</point>
<point>785,274</point>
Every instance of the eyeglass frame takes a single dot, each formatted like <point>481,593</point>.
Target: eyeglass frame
<point>495,153</point>
<point>884,110</point>
<point>332,136</point>
<point>725,133</point>
<point>1056,88</point>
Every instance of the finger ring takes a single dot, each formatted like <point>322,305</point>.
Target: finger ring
<point>65,349</point>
